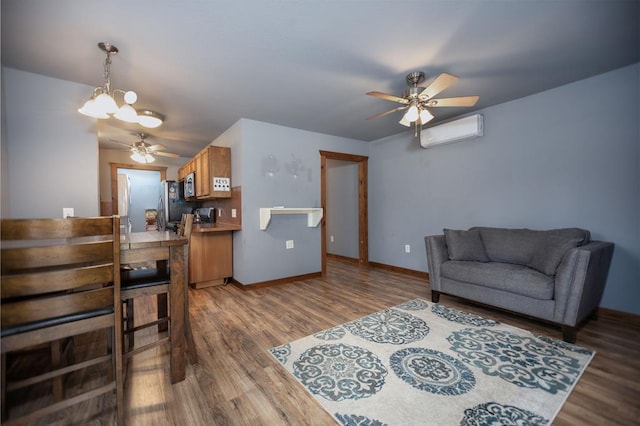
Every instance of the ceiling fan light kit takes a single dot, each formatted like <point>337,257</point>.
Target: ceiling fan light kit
<point>417,100</point>
<point>103,105</point>
<point>142,152</point>
<point>142,158</point>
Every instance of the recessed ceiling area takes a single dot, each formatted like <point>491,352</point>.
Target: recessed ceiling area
<point>309,65</point>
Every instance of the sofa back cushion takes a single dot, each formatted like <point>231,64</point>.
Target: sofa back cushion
<point>549,252</point>
<point>465,245</point>
<point>522,246</point>
<point>508,245</point>
<point>582,235</point>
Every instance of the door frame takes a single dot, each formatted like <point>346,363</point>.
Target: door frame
<point>363,208</point>
<point>114,178</point>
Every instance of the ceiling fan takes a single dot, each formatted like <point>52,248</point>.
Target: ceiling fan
<point>142,152</point>
<point>418,100</point>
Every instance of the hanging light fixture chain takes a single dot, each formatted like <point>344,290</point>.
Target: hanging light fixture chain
<point>107,74</point>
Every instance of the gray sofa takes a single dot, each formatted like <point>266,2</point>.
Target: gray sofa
<point>556,275</point>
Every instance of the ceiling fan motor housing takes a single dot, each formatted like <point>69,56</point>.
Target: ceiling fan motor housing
<point>415,78</point>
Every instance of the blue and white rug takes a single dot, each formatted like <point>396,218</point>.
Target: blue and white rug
<point>427,364</point>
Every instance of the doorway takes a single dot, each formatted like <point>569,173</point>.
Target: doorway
<point>363,213</point>
<point>142,178</point>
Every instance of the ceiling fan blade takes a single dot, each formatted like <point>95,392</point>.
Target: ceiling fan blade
<point>120,143</point>
<point>462,101</point>
<point>441,82</point>
<point>155,148</point>
<point>166,154</point>
<point>388,97</point>
<point>387,112</point>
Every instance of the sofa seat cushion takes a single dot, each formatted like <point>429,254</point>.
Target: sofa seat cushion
<point>509,277</point>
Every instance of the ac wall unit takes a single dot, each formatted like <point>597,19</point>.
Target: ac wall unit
<point>452,131</point>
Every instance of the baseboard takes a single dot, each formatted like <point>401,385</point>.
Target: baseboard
<point>343,258</point>
<point>398,269</point>
<point>271,283</point>
<point>627,318</point>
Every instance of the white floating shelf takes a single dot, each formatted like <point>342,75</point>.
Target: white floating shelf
<point>314,214</point>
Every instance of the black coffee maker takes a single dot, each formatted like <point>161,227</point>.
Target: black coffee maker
<point>204,215</point>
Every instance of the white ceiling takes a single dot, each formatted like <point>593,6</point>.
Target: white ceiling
<point>308,64</point>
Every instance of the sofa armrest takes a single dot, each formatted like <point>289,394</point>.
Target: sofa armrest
<point>437,254</point>
<point>580,281</point>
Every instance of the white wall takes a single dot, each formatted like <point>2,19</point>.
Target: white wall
<point>562,158</point>
<point>52,150</point>
<point>278,166</point>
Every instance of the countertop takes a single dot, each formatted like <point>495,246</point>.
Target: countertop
<point>214,227</point>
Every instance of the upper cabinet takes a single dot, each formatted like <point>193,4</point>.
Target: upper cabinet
<point>183,171</point>
<point>212,167</point>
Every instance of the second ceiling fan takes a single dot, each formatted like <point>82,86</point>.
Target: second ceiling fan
<point>418,100</point>
<point>142,152</point>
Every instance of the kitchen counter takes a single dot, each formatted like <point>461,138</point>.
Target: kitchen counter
<point>214,227</point>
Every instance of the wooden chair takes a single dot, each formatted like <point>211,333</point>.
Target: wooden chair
<point>61,279</point>
<point>186,225</point>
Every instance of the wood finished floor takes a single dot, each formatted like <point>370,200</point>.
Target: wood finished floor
<point>237,382</point>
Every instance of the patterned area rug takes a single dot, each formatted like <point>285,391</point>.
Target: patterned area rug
<point>423,363</point>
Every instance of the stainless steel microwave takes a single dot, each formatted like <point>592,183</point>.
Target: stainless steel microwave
<point>190,185</point>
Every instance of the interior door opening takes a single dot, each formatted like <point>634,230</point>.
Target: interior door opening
<point>144,189</point>
<point>362,184</point>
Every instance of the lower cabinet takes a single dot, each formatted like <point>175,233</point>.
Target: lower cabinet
<point>210,258</point>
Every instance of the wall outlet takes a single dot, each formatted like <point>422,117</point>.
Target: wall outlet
<point>407,248</point>
<point>67,211</point>
<point>331,238</point>
<point>234,213</point>
<point>289,244</point>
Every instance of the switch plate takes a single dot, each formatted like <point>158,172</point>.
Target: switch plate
<point>67,211</point>
<point>407,248</point>
<point>289,244</point>
<point>234,213</point>
<point>331,238</point>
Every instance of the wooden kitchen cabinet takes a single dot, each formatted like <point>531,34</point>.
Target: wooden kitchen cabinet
<point>210,258</point>
<point>202,174</point>
<point>183,171</point>
<point>213,172</point>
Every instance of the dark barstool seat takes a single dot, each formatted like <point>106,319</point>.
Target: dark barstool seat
<point>140,278</point>
<point>138,283</point>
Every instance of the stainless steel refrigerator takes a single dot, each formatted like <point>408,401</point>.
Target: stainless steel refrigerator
<point>171,205</point>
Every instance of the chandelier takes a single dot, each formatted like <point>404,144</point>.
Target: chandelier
<point>102,103</point>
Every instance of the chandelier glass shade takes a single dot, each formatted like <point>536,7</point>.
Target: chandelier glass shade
<point>103,105</point>
<point>150,119</point>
